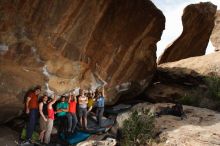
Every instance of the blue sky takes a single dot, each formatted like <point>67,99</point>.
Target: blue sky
<point>173,9</point>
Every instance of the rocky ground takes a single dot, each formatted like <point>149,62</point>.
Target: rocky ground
<point>8,136</point>
<point>86,44</point>
<point>201,128</point>
<point>187,77</point>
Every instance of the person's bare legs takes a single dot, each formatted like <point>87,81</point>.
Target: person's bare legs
<point>85,122</point>
<point>85,118</point>
<point>81,121</point>
<point>41,136</point>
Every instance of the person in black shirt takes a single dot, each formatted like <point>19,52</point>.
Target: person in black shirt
<point>43,116</point>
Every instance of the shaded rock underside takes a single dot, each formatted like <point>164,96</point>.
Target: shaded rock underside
<point>78,44</point>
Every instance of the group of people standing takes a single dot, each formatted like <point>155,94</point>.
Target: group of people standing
<point>67,111</point>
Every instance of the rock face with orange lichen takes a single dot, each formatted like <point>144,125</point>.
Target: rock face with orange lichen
<point>78,44</point>
<point>198,21</point>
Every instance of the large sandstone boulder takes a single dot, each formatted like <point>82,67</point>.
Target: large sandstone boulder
<point>78,44</point>
<point>186,78</point>
<point>15,81</point>
<point>206,65</point>
<point>198,22</point>
<point>200,128</point>
<point>215,38</point>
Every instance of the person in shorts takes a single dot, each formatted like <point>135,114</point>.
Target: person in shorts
<point>82,109</point>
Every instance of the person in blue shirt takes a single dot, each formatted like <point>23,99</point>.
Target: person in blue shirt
<point>100,104</point>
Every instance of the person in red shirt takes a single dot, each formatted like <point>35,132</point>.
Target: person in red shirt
<point>32,111</point>
<point>72,118</point>
<point>50,120</point>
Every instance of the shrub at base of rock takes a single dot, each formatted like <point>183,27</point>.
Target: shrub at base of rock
<point>213,84</point>
<point>200,128</point>
<point>138,129</point>
<point>194,81</point>
<point>208,98</point>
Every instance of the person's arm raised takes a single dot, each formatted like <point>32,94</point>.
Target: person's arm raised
<point>93,94</point>
<point>54,99</point>
<point>74,96</point>
<point>52,102</point>
<point>103,91</point>
<point>69,99</point>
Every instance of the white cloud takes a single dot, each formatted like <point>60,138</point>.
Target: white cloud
<point>173,9</point>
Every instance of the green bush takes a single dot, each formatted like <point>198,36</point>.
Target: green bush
<point>208,97</point>
<point>213,84</point>
<point>138,129</point>
<point>190,99</point>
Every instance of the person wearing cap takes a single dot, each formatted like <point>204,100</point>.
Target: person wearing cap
<point>31,108</point>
